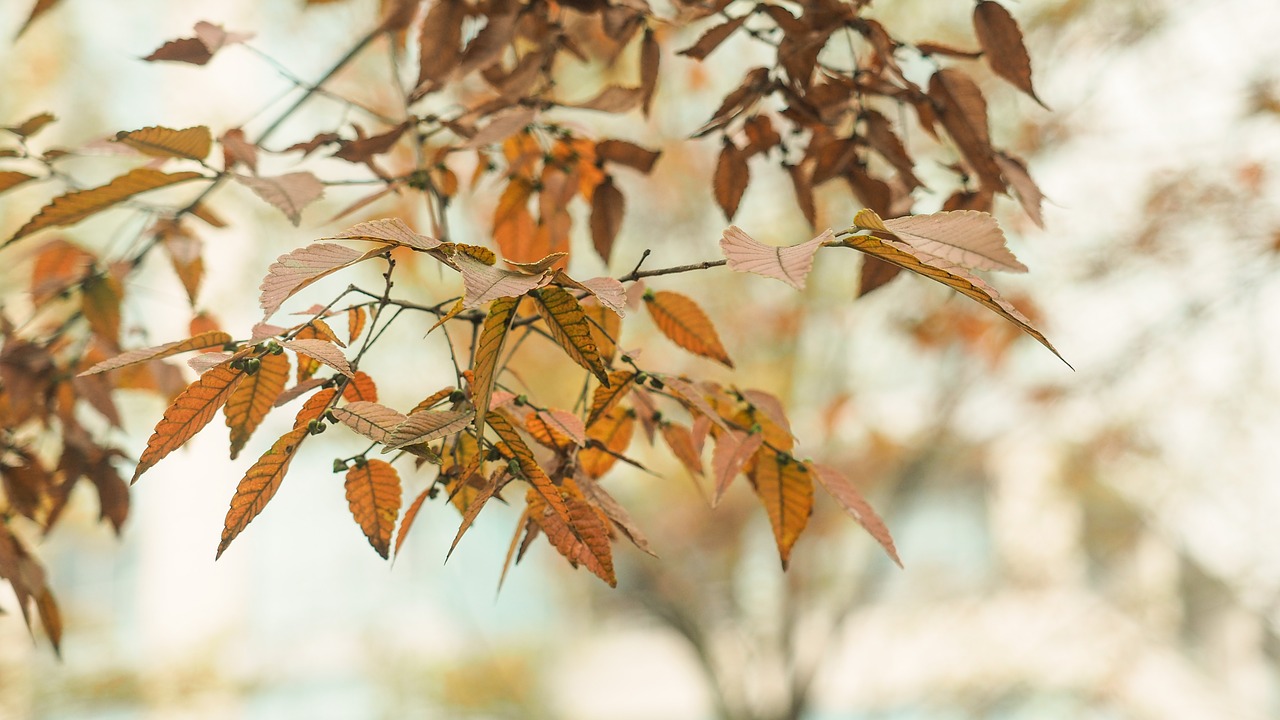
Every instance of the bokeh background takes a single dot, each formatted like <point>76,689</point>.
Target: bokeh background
<point>1091,544</point>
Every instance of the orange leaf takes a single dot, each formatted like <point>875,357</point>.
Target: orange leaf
<point>605,325</point>
<point>785,488</point>
<point>556,429</point>
<point>790,264</point>
<point>189,413</point>
<point>582,538</point>
<point>606,396</point>
<point>192,143</point>
<point>569,327</point>
<point>287,193</point>
<point>360,387</point>
<point>356,319</point>
<point>684,323</point>
<point>409,516</point>
<point>253,397</point>
<point>297,269</point>
<point>485,363</point>
<point>731,178</point>
<point>530,471</point>
<point>650,56</point>
<point>612,432</point>
<point>1002,44</point>
<point>373,494</point>
<point>835,483</point>
<point>314,407</point>
<point>596,495</point>
<point>259,485</point>
<point>13,178</point>
<point>473,508</point>
<point>75,206</point>
<point>627,153</point>
<point>680,441</point>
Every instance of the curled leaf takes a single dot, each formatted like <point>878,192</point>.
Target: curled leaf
<point>790,264</point>
<point>192,143</point>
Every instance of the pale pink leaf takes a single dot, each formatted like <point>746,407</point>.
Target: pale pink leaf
<point>426,426</point>
<point>215,37</point>
<point>287,193</point>
<point>567,423</point>
<point>295,270</point>
<point>485,282</point>
<point>322,350</point>
<point>688,392</point>
<point>370,419</point>
<point>852,501</point>
<point>968,238</point>
<point>204,361</point>
<point>502,126</point>
<point>611,293</point>
<point>771,406</point>
<point>388,230</point>
<point>1028,193</point>
<point>209,339</point>
<point>731,453</point>
<point>789,264</point>
<point>621,519</point>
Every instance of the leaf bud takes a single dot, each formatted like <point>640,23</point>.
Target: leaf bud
<point>493,455</point>
<point>315,427</point>
<point>237,364</point>
<point>275,348</point>
<point>656,382</point>
<point>361,461</point>
<point>457,396</point>
<point>251,365</point>
<point>339,465</point>
<point>521,400</point>
<point>513,467</point>
<point>626,359</point>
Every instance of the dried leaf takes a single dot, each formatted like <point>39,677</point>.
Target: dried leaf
<point>253,398</point>
<point>393,231</point>
<point>790,264</point>
<point>606,396</point>
<point>785,487</point>
<point>189,413</point>
<point>627,153</point>
<point>835,483</point>
<point>712,38</point>
<point>733,450</point>
<point>484,282</point>
<point>963,112</point>
<point>489,349</point>
<point>686,325</point>
<point>360,388</point>
<point>802,181</point>
<point>34,124</point>
<point>731,178</point>
<point>680,440</point>
<point>964,237</point>
<point>370,419</point>
<point>192,143</point>
<point>287,193</point>
<point>612,433</point>
<point>12,178</point>
<point>373,494</point>
<point>1002,44</point>
<point>570,329</point>
<point>650,56</point>
<point>607,208</point>
<point>425,426</point>
<point>322,350</point>
<point>613,99</point>
<point>473,509</point>
<point>530,471</point>
<point>259,485</point>
<point>440,42</point>
<point>77,205</point>
<point>695,399</point>
<point>1026,190</point>
<point>295,270</point>
<point>315,407</point>
<point>563,428</point>
<point>236,148</point>
<point>410,515</point>
<point>880,136</point>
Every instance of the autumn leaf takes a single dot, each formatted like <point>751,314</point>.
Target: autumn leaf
<point>613,99</point>
<point>557,429</point>
<point>530,471</point>
<point>440,42</point>
<point>425,426</point>
<point>314,408</point>
<point>410,516</point>
<point>502,126</point>
<point>790,264</point>
<point>474,507</point>
<point>485,363</point>
<point>686,325</point>
<point>711,39</point>
<point>295,270</point>
<point>695,399</point>
<point>1002,45</point>
<point>967,238</point>
<point>607,208</point>
<point>12,178</point>
<point>360,387</point>
<point>259,485</point>
<point>322,350</point>
<point>373,494</point>
<point>1024,188</point>
<point>356,319</point>
<point>287,193</point>
<point>236,149</point>
<point>483,283</point>
<point>192,143</point>
<point>621,519</point>
<point>370,419</point>
<point>963,112</point>
<point>650,57</point>
<point>393,231</point>
<point>785,487</point>
<point>253,398</point>
<point>679,439</point>
<point>731,178</point>
<point>189,413</point>
<point>733,450</point>
<point>835,483</point>
<point>584,539</point>
<point>606,396</point>
<point>570,329</point>
<point>27,578</point>
<point>77,205</point>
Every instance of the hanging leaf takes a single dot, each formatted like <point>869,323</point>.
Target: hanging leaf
<point>712,38</point>
<point>295,270</point>
<point>374,421</point>
<point>964,237</point>
<point>785,488</point>
<point>557,429</point>
<point>191,144</point>
<point>314,408</point>
<point>485,363</point>
<point>731,178</point>
<point>880,135</point>
<point>473,508</point>
<point>321,350</point>
<point>27,578</point>
<point>605,325</point>
<point>679,439</point>
<point>790,264</point>
<point>943,271</point>
<point>607,208</point>
<point>425,426</point>
<point>287,193</point>
<point>440,42</point>
<point>502,126</point>
<point>733,450</point>
<point>1026,190</point>
<point>963,112</point>
<point>101,306</point>
<point>259,485</point>
<point>12,178</point>
<point>356,319</point>
<point>621,519</point>
<point>530,471</point>
<point>373,494</point>
<point>839,487</point>
<point>606,439</point>
<point>389,230</point>
<point>613,99</point>
<point>1002,45</point>
<point>409,516</point>
<point>77,205</point>
<point>650,56</point>
<point>587,545</point>
<point>483,282</point>
<point>570,329</point>
<point>606,396</point>
<point>627,153</point>
<point>360,387</point>
<point>189,413</point>
<point>686,325</point>
<point>236,149</point>
<point>253,398</point>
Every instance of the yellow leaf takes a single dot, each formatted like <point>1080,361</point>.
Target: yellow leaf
<point>785,487</point>
<point>530,471</point>
<point>606,396</point>
<point>613,434</point>
<point>75,206</point>
<point>684,323</point>
<point>570,328</point>
<point>259,485</point>
<point>192,143</point>
<point>253,397</point>
<point>373,493</point>
<point>189,413</point>
<point>492,338</point>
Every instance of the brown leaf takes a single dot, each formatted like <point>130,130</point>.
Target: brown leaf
<point>502,126</point>
<point>680,440</point>
<point>686,325</point>
<point>187,50</point>
<point>364,149</point>
<point>370,419</point>
<point>606,396</point>
<point>189,413</point>
<point>259,485</point>
<point>253,398</point>
<point>236,148</point>
<point>712,38</point>
<point>491,486</point>
<point>287,193</point>
<point>360,388</point>
<point>27,578</point>
<point>627,153</point>
<point>392,231</point>
<point>613,99</point>
<point>731,178</point>
<point>880,135</point>
<point>785,488</point>
<point>733,450</point>
<point>530,471</point>
<point>322,350</point>
<point>596,495</point>
<point>875,274</point>
<point>1002,44</point>
<point>409,516</point>
<point>650,56</point>
<point>295,270</point>
<point>440,42</point>
<point>12,178</point>
<point>192,143</point>
<point>493,337</point>
<point>101,296</point>
<point>802,182</point>
<point>835,483</point>
<point>607,208</point>
<point>77,205</point>
<point>570,329</point>
<point>583,538</point>
<point>963,112</point>
<point>1026,190</point>
<point>373,494</point>
<point>32,125</point>
<point>790,264</point>
<point>964,237</point>
<point>929,47</point>
<point>425,426</point>
<point>761,136</point>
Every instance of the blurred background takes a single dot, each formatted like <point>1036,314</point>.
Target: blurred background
<point>1091,544</point>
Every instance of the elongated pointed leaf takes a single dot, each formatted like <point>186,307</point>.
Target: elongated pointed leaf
<point>259,485</point>
<point>13,178</point>
<point>568,325</point>
<point>584,539</point>
<point>679,439</point>
<point>606,396</point>
<point>733,450</point>
<point>695,399</point>
<point>392,231</point>
<point>485,282</point>
<point>967,238</point>
<point>473,509</point>
<point>612,432</point>
<point>1002,46</point>
<point>492,339</point>
<point>426,426</point>
<point>360,387</point>
<point>785,488</point>
<point>731,178</point>
<point>253,398</point>
<point>192,143</point>
<point>77,205</point>
<point>374,421</point>
<point>835,483</point>
<point>373,494</point>
<point>963,112</point>
<point>287,193</point>
<point>189,413</point>
<point>299,268</point>
<point>790,264</point>
<point>686,325</point>
<point>212,338</point>
<point>322,350</point>
<point>410,516</point>
<point>621,519</point>
<point>556,429</point>
<point>530,471</point>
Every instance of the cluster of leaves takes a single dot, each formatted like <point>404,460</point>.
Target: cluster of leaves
<point>59,372</point>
